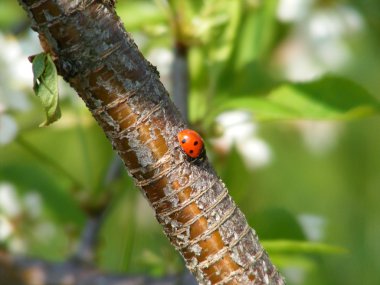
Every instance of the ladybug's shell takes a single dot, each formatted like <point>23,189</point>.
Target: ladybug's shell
<point>191,143</point>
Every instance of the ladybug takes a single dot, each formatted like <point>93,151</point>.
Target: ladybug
<point>191,143</point>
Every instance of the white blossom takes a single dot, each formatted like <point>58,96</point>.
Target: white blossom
<point>9,202</point>
<point>313,226</point>
<point>45,231</point>
<point>255,152</point>
<point>8,129</point>
<point>238,129</point>
<point>293,10</point>
<point>33,204</point>
<point>16,76</point>
<point>17,245</point>
<point>318,136</point>
<point>319,42</point>
<point>162,58</point>
<point>6,228</point>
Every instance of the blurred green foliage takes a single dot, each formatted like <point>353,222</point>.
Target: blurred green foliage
<point>314,205</point>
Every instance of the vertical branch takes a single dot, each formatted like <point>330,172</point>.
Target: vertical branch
<point>180,79</point>
<point>95,217</point>
<point>180,66</point>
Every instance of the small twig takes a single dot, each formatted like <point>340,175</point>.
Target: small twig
<point>88,169</point>
<point>114,170</point>
<point>89,239</point>
<point>180,66</point>
<point>180,79</point>
<point>20,27</point>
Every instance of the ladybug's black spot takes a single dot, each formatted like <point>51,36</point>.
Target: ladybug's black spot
<point>184,140</point>
<point>196,142</point>
<point>191,151</point>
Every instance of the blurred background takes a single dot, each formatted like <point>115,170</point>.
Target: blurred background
<point>285,94</point>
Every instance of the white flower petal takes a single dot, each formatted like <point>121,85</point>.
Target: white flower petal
<point>319,137</point>
<point>33,204</point>
<point>354,21</point>
<point>314,226</point>
<point>9,203</point>
<point>15,74</point>
<point>6,228</point>
<point>320,41</point>
<point>8,129</point>
<point>13,99</point>
<point>222,144</point>
<point>255,152</point>
<point>45,231</point>
<point>293,10</point>
<point>17,245</point>
<point>163,59</point>
<point>240,132</point>
<point>232,118</point>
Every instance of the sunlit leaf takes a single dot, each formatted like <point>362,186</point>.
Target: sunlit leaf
<point>262,108</point>
<point>38,65</point>
<point>277,223</point>
<point>46,87</point>
<point>140,15</point>
<point>302,262</point>
<point>330,98</point>
<point>252,44</point>
<point>256,33</point>
<point>220,22</point>
<point>327,98</point>
<point>10,14</point>
<point>292,246</point>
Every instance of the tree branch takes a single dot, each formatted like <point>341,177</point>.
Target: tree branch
<point>180,79</point>
<point>29,271</point>
<point>95,216</point>
<point>99,59</point>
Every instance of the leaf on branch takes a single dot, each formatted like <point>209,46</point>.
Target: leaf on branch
<point>45,86</point>
<point>329,98</point>
<point>302,247</point>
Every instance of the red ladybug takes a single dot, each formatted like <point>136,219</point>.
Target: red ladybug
<point>191,143</point>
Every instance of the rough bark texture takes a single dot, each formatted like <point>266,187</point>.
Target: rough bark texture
<point>99,59</point>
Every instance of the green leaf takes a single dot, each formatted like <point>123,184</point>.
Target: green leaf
<point>139,15</point>
<point>252,46</point>
<point>276,223</point>
<point>10,15</point>
<point>39,65</point>
<point>222,24</point>
<point>213,26</point>
<point>256,33</point>
<point>291,246</point>
<point>261,108</point>
<point>46,86</point>
<point>330,98</point>
<point>294,260</point>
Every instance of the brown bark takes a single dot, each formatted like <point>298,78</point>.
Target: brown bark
<point>99,59</point>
